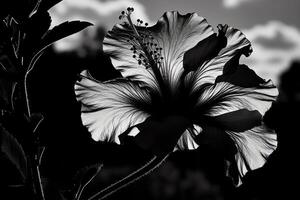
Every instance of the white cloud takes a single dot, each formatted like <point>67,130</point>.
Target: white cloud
<point>98,12</point>
<point>271,62</point>
<point>234,3</point>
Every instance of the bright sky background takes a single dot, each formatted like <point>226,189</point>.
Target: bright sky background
<point>273,26</point>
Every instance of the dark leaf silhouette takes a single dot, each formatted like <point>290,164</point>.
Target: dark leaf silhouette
<point>14,152</point>
<point>37,25</point>
<point>63,30</point>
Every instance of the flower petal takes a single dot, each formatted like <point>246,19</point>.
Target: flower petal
<point>237,44</point>
<point>174,33</point>
<point>224,97</point>
<point>110,108</point>
<point>224,102</point>
<point>177,34</point>
<point>254,146</point>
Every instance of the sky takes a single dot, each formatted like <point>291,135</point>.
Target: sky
<point>272,26</point>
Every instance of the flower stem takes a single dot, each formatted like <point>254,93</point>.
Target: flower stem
<point>131,178</point>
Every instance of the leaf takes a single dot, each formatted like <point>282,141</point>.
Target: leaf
<point>58,32</point>
<point>84,176</point>
<point>36,26</point>
<point>13,151</point>
<point>63,30</point>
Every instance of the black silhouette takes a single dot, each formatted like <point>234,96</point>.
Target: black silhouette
<point>278,178</point>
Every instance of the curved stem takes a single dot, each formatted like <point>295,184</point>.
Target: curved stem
<point>30,68</point>
<point>134,176</point>
<point>36,168</point>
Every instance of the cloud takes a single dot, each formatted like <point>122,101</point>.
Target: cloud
<point>270,59</point>
<point>234,3</point>
<point>99,12</point>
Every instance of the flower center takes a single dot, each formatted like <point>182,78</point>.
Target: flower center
<point>145,48</point>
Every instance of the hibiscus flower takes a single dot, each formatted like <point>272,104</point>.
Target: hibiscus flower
<point>182,87</point>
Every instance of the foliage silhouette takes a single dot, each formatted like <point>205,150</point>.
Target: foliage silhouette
<point>25,35</point>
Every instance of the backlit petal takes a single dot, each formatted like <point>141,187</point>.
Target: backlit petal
<point>224,99</point>
<point>177,34</point>
<point>110,108</point>
<point>174,33</point>
<point>253,146</point>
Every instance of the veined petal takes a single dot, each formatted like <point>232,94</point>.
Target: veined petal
<point>110,108</point>
<point>253,140</point>
<point>224,97</point>
<point>173,33</point>
<point>237,44</point>
<point>176,34</point>
<point>253,146</point>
